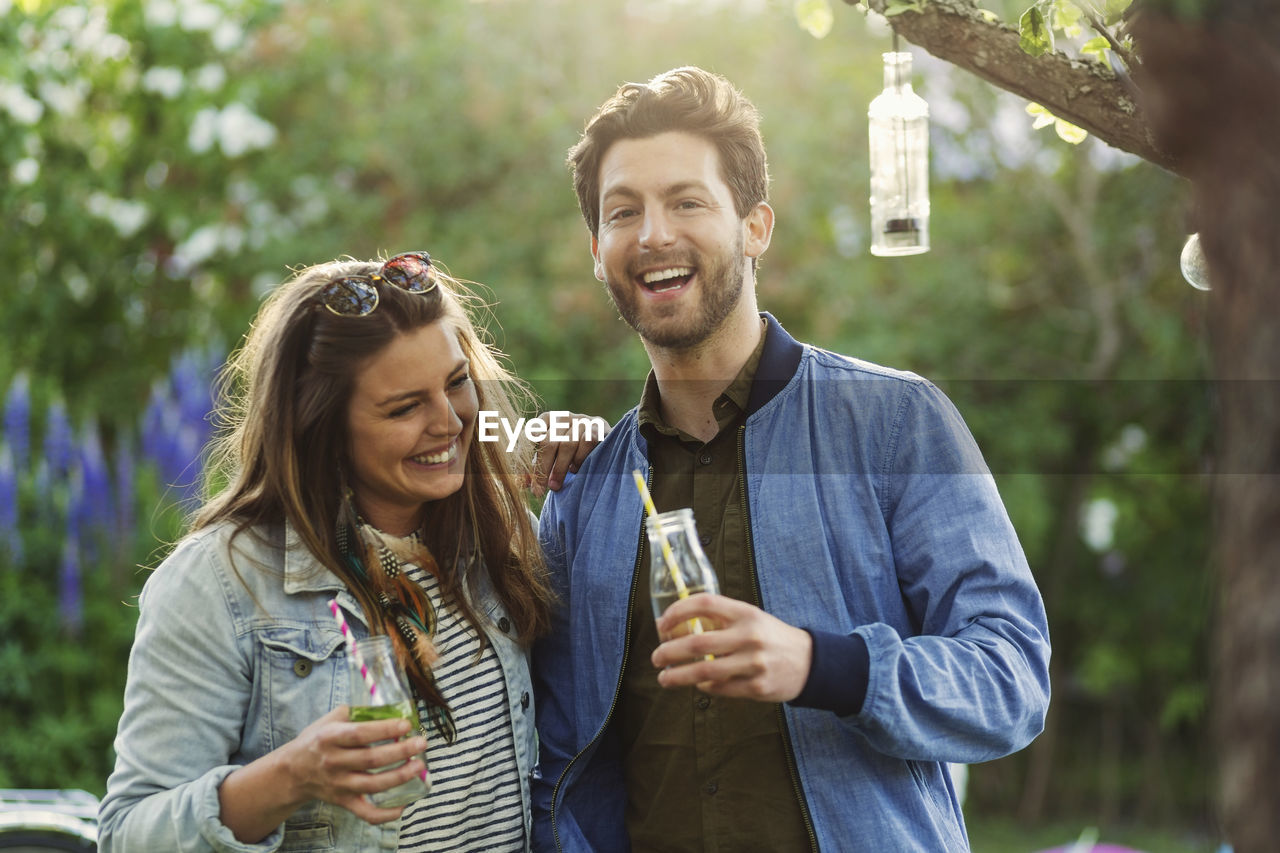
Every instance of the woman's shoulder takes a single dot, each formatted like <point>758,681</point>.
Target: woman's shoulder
<point>216,553</point>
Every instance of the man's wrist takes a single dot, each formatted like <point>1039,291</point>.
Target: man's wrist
<point>838,673</point>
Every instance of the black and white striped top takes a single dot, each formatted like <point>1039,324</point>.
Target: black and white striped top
<point>474,803</point>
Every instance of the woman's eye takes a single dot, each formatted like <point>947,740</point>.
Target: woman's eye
<point>401,411</point>
<point>460,381</point>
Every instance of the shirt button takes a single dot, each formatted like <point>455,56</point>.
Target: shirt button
<point>705,459</point>
<point>524,701</point>
<point>302,667</point>
<point>712,787</point>
<point>705,539</point>
<point>703,703</point>
<point>504,624</point>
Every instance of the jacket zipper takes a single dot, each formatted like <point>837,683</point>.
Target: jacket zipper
<point>617,689</point>
<point>755,585</point>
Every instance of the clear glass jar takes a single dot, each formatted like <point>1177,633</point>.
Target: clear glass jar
<point>686,572</point>
<point>380,691</point>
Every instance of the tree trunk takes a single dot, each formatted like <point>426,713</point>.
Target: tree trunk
<point>1210,93</point>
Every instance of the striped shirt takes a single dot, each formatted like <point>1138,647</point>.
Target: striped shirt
<point>474,803</point>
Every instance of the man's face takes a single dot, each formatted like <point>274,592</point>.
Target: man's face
<point>670,247</point>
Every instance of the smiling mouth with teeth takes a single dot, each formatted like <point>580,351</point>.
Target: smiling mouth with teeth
<point>662,281</point>
<point>447,455</point>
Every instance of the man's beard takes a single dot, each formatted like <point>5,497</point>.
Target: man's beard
<point>680,327</point>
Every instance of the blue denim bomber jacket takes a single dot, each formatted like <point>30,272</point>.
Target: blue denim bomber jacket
<point>229,663</point>
<point>872,514</point>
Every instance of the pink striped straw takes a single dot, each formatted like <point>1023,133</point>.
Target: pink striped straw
<point>355,652</point>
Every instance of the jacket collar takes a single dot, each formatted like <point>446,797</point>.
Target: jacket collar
<point>302,572</point>
<point>778,363</point>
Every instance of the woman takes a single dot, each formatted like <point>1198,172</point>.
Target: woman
<point>351,472</point>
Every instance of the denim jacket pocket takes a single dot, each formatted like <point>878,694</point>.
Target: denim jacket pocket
<point>307,837</point>
<point>303,677</point>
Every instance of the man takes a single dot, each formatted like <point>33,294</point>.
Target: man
<point>877,616</point>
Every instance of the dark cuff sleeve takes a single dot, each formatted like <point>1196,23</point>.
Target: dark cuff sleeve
<point>838,674</point>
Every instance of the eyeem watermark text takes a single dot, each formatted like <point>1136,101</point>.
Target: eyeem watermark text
<point>553,426</point>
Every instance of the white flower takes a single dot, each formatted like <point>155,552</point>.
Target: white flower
<point>236,129</point>
<point>127,216</point>
<point>63,99</point>
<point>210,77</point>
<point>33,214</point>
<point>240,130</point>
<point>121,130</point>
<point>199,17</point>
<point>156,174</point>
<point>90,35</point>
<point>25,171</point>
<point>163,80</point>
<point>204,130</point>
<point>197,248</point>
<point>15,100</point>
<point>110,47</point>
<point>161,13</point>
<point>227,36</point>
<point>1098,523</point>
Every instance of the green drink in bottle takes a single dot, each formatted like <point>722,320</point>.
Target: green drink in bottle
<point>384,686</point>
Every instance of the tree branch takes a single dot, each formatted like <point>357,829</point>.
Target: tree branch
<point>1100,27</point>
<point>1086,93</point>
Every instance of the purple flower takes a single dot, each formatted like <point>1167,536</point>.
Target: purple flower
<point>176,425</point>
<point>10,533</point>
<point>70,599</point>
<point>58,443</point>
<point>98,498</point>
<point>124,497</point>
<point>17,416</point>
<point>159,423</point>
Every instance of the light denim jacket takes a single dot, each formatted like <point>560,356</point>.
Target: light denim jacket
<point>229,663</point>
<point>871,513</point>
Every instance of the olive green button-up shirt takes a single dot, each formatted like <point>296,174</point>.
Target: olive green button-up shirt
<point>703,773</point>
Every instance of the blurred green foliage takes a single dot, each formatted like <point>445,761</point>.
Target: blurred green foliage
<point>186,154</point>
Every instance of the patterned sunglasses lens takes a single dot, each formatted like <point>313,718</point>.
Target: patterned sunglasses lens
<point>350,297</point>
<point>411,272</point>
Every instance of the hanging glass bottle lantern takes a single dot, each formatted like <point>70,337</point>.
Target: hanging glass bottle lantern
<point>898,120</point>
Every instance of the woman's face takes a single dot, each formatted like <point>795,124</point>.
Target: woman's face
<point>410,422</point>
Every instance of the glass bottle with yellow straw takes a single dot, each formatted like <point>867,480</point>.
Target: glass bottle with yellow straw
<point>678,566</point>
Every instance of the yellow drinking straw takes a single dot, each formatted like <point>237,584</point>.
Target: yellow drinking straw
<point>682,591</point>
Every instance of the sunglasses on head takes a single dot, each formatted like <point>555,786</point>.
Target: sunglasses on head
<point>357,295</point>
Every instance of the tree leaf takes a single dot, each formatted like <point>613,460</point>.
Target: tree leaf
<point>1043,118</point>
<point>1034,35</point>
<point>1066,17</point>
<point>1096,47</point>
<point>1069,132</point>
<point>815,16</point>
<point>1113,10</point>
<point>900,6</point>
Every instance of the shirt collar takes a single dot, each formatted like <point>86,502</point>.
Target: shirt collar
<point>731,403</point>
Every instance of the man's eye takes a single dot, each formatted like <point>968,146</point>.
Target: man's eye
<point>622,213</point>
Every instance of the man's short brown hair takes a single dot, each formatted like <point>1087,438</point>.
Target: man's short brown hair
<point>688,100</point>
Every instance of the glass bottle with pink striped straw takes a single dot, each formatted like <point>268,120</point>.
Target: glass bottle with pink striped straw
<point>380,691</point>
